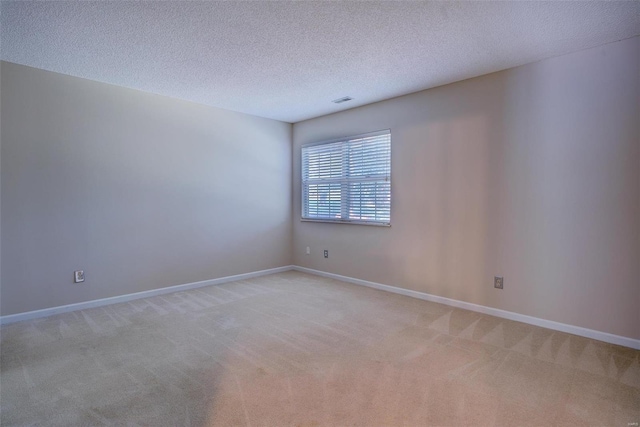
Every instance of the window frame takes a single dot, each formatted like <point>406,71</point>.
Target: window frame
<point>343,220</point>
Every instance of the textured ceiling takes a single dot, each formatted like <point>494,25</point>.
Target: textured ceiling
<point>288,60</point>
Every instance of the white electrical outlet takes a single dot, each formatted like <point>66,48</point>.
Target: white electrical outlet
<point>308,250</point>
<point>78,276</point>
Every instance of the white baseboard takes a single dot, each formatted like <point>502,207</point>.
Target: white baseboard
<point>549,324</point>
<point>129,297</point>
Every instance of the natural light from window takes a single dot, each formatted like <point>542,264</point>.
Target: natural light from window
<point>348,180</point>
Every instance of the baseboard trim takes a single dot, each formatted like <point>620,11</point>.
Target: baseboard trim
<point>12,318</point>
<point>549,324</point>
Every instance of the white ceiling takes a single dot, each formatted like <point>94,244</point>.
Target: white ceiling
<point>289,60</point>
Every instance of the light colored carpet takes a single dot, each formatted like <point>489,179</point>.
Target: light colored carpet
<point>295,349</point>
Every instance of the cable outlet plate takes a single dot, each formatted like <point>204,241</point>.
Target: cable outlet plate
<point>78,276</point>
<point>498,282</point>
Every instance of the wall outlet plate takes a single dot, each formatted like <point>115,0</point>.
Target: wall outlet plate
<point>498,282</point>
<point>326,253</point>
<point>78,276</point>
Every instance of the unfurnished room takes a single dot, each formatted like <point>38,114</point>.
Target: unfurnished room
<point>319,213</point>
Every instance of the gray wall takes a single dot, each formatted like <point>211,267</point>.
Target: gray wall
<point>141,191</point>
<point>532,173</point>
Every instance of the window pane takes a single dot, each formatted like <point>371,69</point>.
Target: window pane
<point>370,201</point>
<point>323,201</point>
<point>323,162</point>
<point>369,156</point>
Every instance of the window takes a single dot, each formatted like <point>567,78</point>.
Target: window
<point>348,180</point>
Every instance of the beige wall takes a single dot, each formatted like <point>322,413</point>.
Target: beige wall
<point>141,191</point>
<point>532,173</point>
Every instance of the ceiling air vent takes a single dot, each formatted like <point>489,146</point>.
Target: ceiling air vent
<point>341,100</point>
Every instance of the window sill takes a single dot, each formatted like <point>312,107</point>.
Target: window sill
<point>333,221</point>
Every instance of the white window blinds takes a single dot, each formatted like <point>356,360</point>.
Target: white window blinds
<point>348,180</point>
